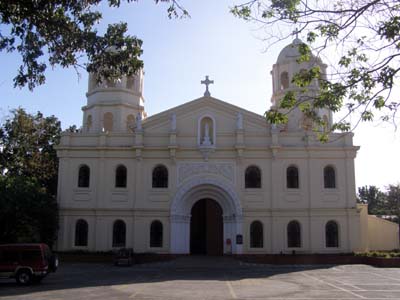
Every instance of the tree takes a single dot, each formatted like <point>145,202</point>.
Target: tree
<point>27,148</point>
<point>28,178</point>
<point>61,32</point>
<point>28,213</point>
<point>363,39</point>
<point>375,199</point>
<point>393,199</point>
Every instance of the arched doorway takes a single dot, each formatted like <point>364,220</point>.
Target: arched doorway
<point>206,228</point>
<point>183,202</point>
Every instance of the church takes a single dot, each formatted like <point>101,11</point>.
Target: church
<point>207,177</point>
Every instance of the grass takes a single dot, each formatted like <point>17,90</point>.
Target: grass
<point>381,254</point>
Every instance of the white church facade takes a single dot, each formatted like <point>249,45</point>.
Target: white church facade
<point>207,177</point>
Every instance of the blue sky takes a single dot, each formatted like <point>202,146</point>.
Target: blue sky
<point>178,53</point>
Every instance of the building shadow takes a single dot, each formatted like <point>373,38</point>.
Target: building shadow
<point>195,268</point>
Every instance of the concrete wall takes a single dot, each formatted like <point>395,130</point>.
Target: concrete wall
<point>382,234</point>
<point>376,233</point>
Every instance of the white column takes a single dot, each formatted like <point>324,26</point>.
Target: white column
<point>229,233</point>
<point>180,234</point>
<point>239,230</point>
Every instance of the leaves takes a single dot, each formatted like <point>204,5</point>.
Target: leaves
<point>27,212</point>
<point>28,178</point>
<point>381,203</point>
<point>63,33</point>
<point>27,148</point>
<point>362,41</point>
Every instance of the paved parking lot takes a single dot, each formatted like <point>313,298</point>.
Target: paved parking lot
<point>209,278</point>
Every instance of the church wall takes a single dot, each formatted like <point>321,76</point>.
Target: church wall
<point>142,224</point>
<point>117,197</point>
<point>317,232</point>
<point>258,204</point>
<point>267,239</point>
<point>275,239</point>
<point>279,237</point>
<point>285,197</point>
<point>139,204</point>
<point>322,197</point>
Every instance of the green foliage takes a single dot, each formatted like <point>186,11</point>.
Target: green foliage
<point>374,197</point>
<point>28,178</point>
<point>381,203</point>
<point>27,148</point>
<point>276,117</point>
<point>61,32</point>
<point>27,212</point>
<point>381,254</point>
<point>393,199</point>
<point>365,36</point>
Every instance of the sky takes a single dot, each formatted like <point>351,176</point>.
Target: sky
<point>177,54</point>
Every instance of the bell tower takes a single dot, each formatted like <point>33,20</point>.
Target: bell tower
<point>282,73</point>
<point>113,105</point>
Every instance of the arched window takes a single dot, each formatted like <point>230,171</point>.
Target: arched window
<point>108,121</point>
<point>130,122</point>
<point>332,234</point>
<point>329,177</point>
<point>84,176</point>
<point>252,177</point>
<point>81,233</point>
<point>292,177</point>
<point>326,123</point>
<point>130,82</point>
<point>111,82</point>
<point>160,177</point>
<point>256,235</point>
<point>120,176</point>
<point>284,80</point>
<point>156,234</point>
<point>119,234</point>
<point>294,234</point>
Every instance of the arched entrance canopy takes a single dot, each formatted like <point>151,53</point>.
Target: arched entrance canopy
<point>193,191</point>
<point>201,188</point>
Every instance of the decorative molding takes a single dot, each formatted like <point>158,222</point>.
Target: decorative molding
<point>178,203</point>
<point>187,170</point>
<point>206,151</point>
<point>180,218</point>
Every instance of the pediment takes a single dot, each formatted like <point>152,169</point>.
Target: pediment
<point>187,115</point>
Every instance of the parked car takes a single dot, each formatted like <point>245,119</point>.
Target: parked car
<point>26,263</point>
<point>124,257</point>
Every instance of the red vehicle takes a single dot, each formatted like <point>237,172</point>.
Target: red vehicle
<point>26,263</point>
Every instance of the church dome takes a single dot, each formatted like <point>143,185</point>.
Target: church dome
<point>290,52</point>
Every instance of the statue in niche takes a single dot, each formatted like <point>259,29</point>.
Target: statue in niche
<point>206,139</point>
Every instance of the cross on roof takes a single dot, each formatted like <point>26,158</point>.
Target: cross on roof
<point>207,82</point>
<point>296,32</point>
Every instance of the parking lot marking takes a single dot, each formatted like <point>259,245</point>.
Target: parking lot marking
<point>333,285</point>
<point>230,288</point>
<point>383,276</point>
<point>342,282</point>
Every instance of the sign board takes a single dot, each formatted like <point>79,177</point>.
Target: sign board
<point>239,239</point>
